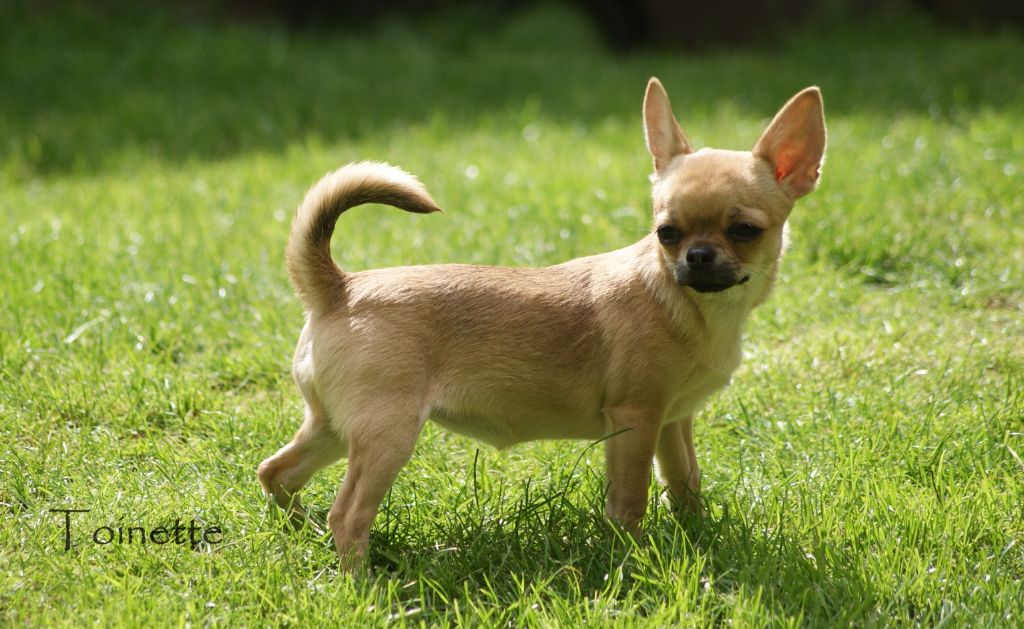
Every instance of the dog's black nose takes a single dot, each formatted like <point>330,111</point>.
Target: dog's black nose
<point>696,256</point>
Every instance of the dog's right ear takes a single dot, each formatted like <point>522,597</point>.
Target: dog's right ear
<point>665,138</point>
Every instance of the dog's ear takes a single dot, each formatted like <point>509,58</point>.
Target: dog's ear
<point>794,143</point>
<point>665,139</point>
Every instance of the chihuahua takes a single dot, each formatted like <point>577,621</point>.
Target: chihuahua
<point>628,343</point>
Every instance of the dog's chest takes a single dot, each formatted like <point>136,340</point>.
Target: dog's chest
<point>715,361</point>
<point>689,395</point>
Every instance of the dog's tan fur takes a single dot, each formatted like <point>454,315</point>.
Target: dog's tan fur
<point>606,344</point>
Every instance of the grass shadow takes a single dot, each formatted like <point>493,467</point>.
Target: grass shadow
<point>539,552</point>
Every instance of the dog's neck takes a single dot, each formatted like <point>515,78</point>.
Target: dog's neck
<point>712,323</point>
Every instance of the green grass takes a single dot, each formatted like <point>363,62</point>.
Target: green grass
<point>863,468</point>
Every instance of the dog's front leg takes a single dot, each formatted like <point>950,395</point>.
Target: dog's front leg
<point>677,464</point>
<point>628,457</point>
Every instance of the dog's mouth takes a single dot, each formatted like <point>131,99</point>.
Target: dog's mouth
<point>710,282</point>
<point>710,288</point>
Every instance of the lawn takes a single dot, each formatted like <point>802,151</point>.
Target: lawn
<point>865,466</point>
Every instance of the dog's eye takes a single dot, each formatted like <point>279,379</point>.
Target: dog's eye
<point>669,235</point>
<point>744,232</point>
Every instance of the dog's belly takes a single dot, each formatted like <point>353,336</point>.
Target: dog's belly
<point>505,427</point>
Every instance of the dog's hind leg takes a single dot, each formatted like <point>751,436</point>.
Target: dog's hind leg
<point>287,471</point>
<point>381,442</point>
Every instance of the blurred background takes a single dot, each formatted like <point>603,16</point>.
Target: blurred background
<point>625,24</point>
<point>209,77</point>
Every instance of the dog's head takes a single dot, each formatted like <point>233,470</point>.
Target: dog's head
<point>719,215</point>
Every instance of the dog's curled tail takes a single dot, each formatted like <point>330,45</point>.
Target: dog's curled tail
<point>316,278</point>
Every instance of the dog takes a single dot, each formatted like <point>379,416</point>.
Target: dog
<point>628,343</point>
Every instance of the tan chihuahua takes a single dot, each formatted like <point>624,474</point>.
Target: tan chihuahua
<point>628,343</point>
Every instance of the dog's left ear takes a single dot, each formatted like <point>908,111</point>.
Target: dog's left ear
<point>794,143</point>
<point>665,138</point>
